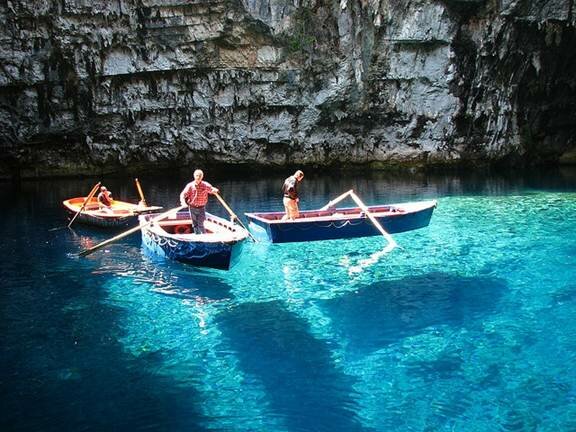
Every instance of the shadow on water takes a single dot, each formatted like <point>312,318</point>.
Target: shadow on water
<point>303,386</point>
<point>393,310</point>
<point>64,368</point>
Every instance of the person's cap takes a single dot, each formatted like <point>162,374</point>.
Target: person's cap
<point>103,188</point>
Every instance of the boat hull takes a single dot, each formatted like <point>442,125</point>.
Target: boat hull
<point>197,250</point>
<point>346,223</point>
<point>122,214</point>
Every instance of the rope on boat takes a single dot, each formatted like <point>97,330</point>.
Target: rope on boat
<point>302,227</point>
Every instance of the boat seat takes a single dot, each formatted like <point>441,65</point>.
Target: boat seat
<point>174,222</point>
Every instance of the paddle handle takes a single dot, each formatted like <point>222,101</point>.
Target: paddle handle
<point>130,231</point>
<point>233,215</point>
<point>142,199</point>
<point>377,224</point>
<point>86,201</point>
<point>226,206</point>
<point>337,200</point>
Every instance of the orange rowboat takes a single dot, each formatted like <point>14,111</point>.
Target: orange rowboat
<point>120,214</point>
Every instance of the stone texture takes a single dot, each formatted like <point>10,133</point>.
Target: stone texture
<point>93,85</point>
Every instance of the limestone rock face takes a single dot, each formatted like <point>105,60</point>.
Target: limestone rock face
<point>92,86</point>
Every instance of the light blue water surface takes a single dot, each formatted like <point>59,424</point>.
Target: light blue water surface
<point>467,326</point>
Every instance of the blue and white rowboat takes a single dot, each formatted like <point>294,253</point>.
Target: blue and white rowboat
<point>218,248</point>
<point>340,223</point>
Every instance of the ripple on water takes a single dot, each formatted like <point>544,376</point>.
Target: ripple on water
<point>467,325</point>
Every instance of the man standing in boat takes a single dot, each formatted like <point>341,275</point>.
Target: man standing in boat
<point>105,199</point>
<point>195,196</point>
<point>290,191</point>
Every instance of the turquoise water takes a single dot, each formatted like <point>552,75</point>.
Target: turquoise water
<point>468,325</point>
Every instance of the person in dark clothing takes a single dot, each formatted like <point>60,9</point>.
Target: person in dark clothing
<point>290,199</point>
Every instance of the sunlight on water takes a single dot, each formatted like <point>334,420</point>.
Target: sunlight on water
<point>437,347</point>
<point>467,325</point>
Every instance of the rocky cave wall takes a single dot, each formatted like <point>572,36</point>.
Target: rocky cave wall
<point>98,86</point>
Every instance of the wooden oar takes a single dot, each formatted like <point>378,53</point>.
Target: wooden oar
<point>337,200</point>
<point>130,231</point>
<point>391,243</point>
<point>86,201</point>
<point>142,199</point>
<point>233,215</point>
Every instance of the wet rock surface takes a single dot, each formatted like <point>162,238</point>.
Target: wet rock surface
<point>97,86</point>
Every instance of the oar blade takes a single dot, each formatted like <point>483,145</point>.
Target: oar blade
<point>85,252</point>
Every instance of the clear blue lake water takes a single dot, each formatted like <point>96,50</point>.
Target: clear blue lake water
<point>469,325</point>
